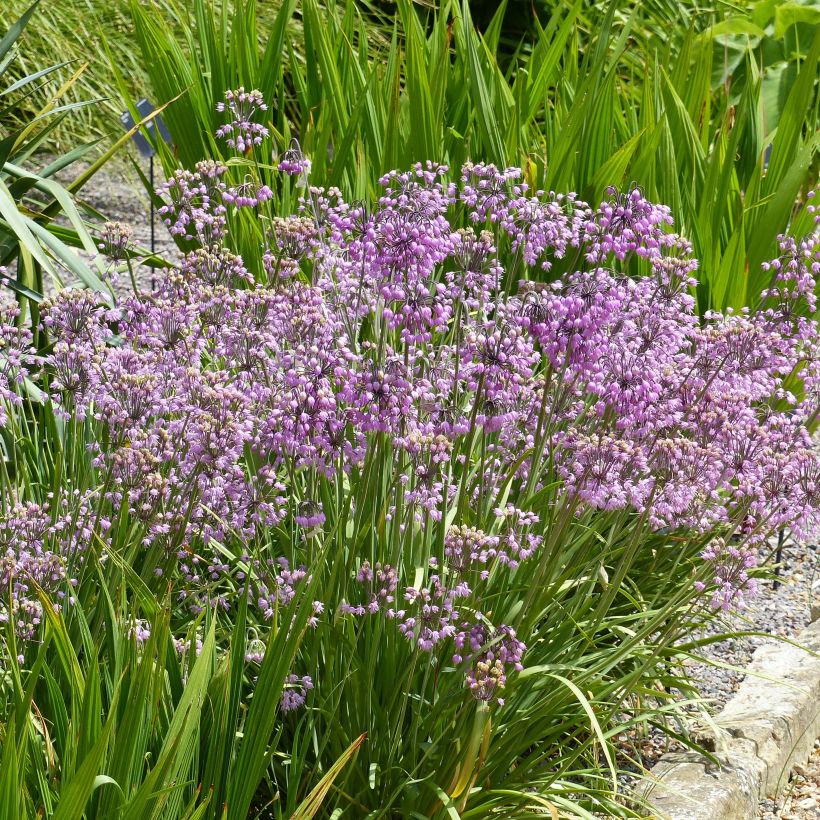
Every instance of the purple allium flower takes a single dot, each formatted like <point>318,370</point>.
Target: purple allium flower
<point>379,585</point>
<point>295,692</point>
<point>114,240</point>
<point>247,195</point>
<point>194,209</point>
<point>429,618</point>
<point>293,162</point>
<point>140,631</point>
<point>221,408</point>
<point>242,133</point>
<point>467,547</point>
<point>309,516</point>
<point>18,359</point>
<point>489,654</point>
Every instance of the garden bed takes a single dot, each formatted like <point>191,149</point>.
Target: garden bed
<point>412,475</point>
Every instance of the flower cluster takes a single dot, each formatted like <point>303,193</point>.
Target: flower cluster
<point>18,359</point>
<point>229,404</point>
<point>295,693</point>
<point>114,240</point>
<point>293,162</point>
<point>42,548</point>
<point>242,132</point>
<point>489,655</point>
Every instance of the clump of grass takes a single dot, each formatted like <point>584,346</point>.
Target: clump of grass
<point>577,110</point>
<point>70,31</point>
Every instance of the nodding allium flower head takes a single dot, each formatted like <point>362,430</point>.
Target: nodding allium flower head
<point>430,615</point>
<point>486,679</point>
<point>477,273</point>
<point>242,133</point>
<point>140,631</point>
<point>543,227</point>
<point>490,655</point>
<point>486,190</point>
<point>732,583</point>
<point>293,162</point>
<point>114,240</point>
<point>379,585</point>
<point>216,267</point>
<point>40,545</point>
<point>255,651</point>
<point>465,548</point>
<point>78,317</point>
<point>18,359</point>
<point>309,515</point>
<point>247,195</point>
<point>295,692</point>
<point>278,585</point>
<point>626,223</point>
<point>193,206</point>
<point>516,542</point>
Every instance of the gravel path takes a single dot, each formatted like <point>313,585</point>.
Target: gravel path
<point>782,612</point>
<point>801,800</point>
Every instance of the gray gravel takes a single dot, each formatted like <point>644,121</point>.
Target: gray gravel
<point>118,194</point>
<point>781,612</point>
<point>801,800</point>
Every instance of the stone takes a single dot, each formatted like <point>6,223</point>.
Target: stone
<point>688,789</point>
<point>769,726</point>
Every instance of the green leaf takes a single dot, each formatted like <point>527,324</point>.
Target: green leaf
<point>178,746</point>
<point>733,26</point>
<point>16,29</point>
<point>11,786</point>
<point>75,795</point>
<point>787,15</point>
<point>311,805</point>
<point>485,110</point>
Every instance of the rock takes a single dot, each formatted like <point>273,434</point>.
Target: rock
<point>768,726</point>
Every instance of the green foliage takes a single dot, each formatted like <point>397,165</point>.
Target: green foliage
<point>692,120</point>
<point>31,200</point>
<point>180,727</point>
<point>67,29</point>
<point>72,29</point>
<point>93,726</point>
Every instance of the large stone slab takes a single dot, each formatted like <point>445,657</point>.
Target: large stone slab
<point>767,727</point>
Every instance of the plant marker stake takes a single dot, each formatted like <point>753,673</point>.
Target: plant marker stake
<point>146,148</point>
<point>778,558</point>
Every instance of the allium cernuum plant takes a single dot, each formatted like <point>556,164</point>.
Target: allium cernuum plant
<point>405,403</point>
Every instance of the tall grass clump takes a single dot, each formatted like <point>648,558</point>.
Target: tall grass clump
<point>719,121</point>
<point>383,524</point>
<point>31,199</point>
